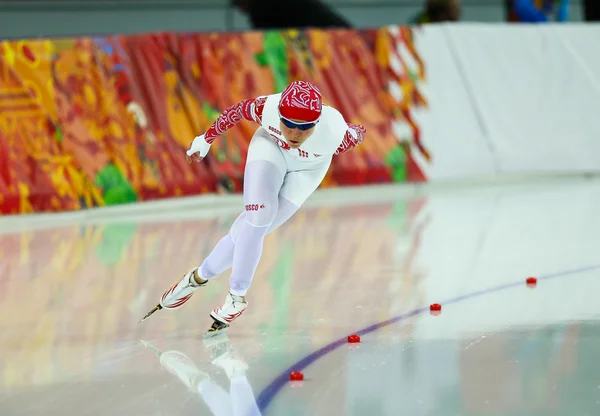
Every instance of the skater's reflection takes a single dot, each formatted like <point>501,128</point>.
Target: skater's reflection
<point>240,400</point>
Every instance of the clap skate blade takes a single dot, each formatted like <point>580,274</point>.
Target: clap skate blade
<point>217,328</point>
<point>156,308</point>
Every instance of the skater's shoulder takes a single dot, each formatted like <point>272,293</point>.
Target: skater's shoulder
<point>330,111</point>
<point>332,118</point>
<point>272,97</point>
<point>270,101</point>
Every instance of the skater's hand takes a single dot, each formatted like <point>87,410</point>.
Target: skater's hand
<point>198,150</point>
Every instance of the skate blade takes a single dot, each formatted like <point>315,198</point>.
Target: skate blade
<point>156,308</point>
<point>216,329</point>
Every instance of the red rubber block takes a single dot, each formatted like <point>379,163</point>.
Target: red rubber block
<point>435,309</point>
<point>296,376</point>
<point>353,338</point>
<point>531,280</point>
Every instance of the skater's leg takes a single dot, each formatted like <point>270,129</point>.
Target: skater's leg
<point>221,257</point>
<point>261,151</point>
<point>262,182</point>
<point>295,189</point>
<point>297,186</point>
<point>286,210</point>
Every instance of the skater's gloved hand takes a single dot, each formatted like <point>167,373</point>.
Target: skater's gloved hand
<point>198,149</point>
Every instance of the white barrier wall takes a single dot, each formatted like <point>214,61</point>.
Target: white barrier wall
<point>510,99</point>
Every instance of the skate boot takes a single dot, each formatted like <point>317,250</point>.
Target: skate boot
<point>223,316</point>
<point>179,294</point>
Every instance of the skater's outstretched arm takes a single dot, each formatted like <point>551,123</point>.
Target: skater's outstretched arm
<point>355,134</point>
<point>250,109</point>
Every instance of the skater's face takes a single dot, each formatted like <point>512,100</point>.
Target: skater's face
<point>296,132</point>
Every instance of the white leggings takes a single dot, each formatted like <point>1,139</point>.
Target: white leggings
<point>272,194</point>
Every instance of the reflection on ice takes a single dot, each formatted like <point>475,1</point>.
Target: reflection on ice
<point>239,401</point>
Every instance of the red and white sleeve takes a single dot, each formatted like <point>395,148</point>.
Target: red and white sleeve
<point>250,109</point>
<point>354,136</point>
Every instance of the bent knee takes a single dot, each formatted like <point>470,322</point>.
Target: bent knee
<point>261,214</point>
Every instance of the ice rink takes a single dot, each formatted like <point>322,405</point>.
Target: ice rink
<point>370,262</point>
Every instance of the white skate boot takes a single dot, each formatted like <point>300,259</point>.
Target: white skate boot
<point>182,292</point>
<point>223,316</point>
<point>179,294</point>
